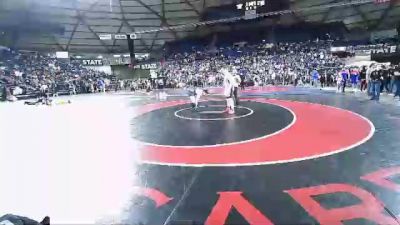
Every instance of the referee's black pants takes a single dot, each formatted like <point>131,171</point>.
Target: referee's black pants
<point>235,95</point>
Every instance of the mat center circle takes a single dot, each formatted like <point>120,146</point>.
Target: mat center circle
<point>212,113</point>
<point>209,126</point>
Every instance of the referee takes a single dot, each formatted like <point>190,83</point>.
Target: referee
<point>236,85</point>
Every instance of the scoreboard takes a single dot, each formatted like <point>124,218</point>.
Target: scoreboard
<point>250,8</point>
<point>252,5</point>
<point>247,8</point>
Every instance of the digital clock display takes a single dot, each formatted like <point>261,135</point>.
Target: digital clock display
<point>252,5</point>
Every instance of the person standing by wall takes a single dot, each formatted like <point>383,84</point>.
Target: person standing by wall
<point>354,78</point>
<point>371,69</point>
<point>295,79</point>
<point>375,85</point>
<point>391,78</point>
<point>315,76</point>
<point>4,92</point>
<point>363,78</point>
<point>385,79</point>
<point>396,78</point>
<point>345,76</point>
<point>338,81</point>
<point>322,80</point>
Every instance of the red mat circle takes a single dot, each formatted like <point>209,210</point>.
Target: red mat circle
<point>319,131</point>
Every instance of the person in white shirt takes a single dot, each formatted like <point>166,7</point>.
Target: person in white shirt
<point>338,81</point>
<point>195,96</point>
<point>257,81</point>
<point>43,87</point>
<point>228,90</point>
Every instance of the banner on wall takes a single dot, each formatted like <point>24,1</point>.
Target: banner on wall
<point>373,49</point>
<point>338,49</point>
<point>385,49</point>
<point>147,66</point>
<point>120,61</point>
<point>89,62</point>
<point>92,62</point>
<point>105,36</point>
<point>62,55</point>
<point>120,37</point>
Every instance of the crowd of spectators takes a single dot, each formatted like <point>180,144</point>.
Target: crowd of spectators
<point>374,80</point>
<point>305,63</point>
<point>261,64</point>
<point>28,73</point>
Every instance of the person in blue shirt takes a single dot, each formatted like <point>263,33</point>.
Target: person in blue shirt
<point>315,76</point>
<point>354,78</point>
<point>100,84</point>
<point>345,77</point>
